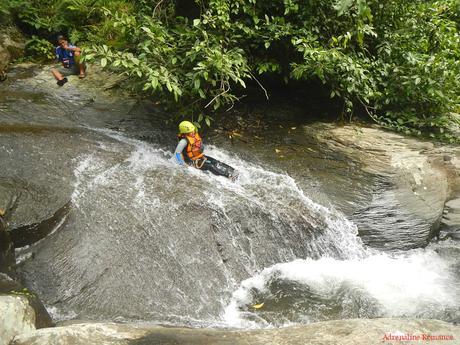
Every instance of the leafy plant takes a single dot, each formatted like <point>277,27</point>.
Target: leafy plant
<point>395,60</point>
<point>39,48</point>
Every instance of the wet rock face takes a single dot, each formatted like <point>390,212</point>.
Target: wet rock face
<point>138,225</point>
<point>30,233</point>
<point>6,248</point>
<point>407,184</point>
<point>11,47</point>
<point>4,60</point>
<point>450,223</point>
<point>355,331</point>
<point>392,187</point>
<point>8,284</point>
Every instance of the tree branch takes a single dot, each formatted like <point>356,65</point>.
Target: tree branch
<point>157,5</point>
<point>258,82</point>
<point>217,96</point>
<point>372,116</point>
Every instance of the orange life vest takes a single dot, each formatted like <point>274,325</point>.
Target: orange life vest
<point>194,147</point>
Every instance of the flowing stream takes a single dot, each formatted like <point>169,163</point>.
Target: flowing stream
<point>145,239</point>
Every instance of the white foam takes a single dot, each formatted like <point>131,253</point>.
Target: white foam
<point>403,285</point>
<point>279,194</point>
<point>82,166</point>
<point>60,315</point>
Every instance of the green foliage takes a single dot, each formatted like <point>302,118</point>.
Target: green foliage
<point>396,59</point>
<point>418,68</point>
<point>39,48</point>
<point>185,63</point>
<point>58,16</point>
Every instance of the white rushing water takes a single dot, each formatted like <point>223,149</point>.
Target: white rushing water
<point>335,268</point>
<point>419,283</point>
<point>276,193</point>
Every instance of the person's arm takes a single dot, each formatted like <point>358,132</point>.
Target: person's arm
<point>178,152</point>
<point>72,48</point>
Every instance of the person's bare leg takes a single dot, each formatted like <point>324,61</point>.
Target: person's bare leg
<point>57,74</point>
<point>61,80</point>
<point>81,66</point>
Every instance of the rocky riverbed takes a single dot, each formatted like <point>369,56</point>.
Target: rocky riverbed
<point>20,329</point>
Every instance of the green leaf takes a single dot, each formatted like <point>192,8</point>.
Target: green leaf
<point>103,62</point>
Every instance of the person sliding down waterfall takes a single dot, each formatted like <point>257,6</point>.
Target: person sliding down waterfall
<point>189,151</point>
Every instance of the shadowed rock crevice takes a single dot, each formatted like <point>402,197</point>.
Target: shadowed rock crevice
<point>31,233</point>
<point>6,248</point>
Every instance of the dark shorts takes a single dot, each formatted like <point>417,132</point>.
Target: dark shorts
<point>72,70</point>
<point>217,167</point>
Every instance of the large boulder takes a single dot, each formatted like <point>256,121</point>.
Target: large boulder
<point>340,332</point>
<point>403,206</point>
<point>11,46</point>
<point>16,317</point>
<point>20,313</point>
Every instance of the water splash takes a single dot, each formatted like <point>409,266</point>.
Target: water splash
<point>419,283</point>
<point>130,196</point>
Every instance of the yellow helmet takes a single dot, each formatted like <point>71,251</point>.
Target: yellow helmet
<point>186,127</point>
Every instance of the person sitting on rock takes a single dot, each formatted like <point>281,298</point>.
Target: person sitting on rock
<point>189,151</point>
<point>69,56</point>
